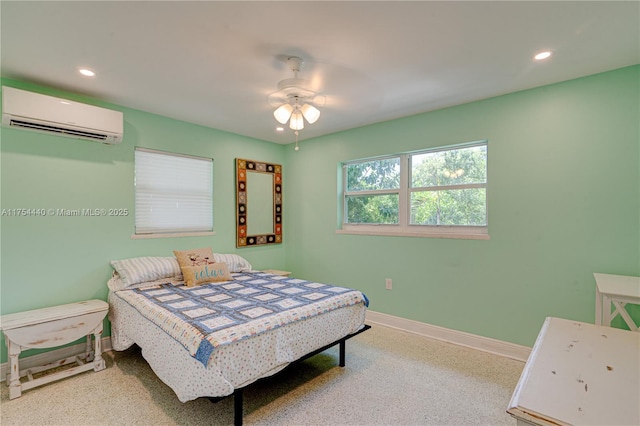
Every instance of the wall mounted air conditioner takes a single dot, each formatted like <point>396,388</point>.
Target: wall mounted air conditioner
<point>46,114</point>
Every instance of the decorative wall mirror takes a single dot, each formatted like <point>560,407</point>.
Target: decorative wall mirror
<point>258,203</point>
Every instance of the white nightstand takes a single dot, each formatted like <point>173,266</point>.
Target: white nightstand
<point>48,328</point>
<point>616,290</point>
<point>277,272</point>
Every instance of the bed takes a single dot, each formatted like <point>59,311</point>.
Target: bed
<point>214,339</point>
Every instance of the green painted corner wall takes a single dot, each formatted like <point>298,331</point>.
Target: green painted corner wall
<point>563,200</point>
<point>47,261</point>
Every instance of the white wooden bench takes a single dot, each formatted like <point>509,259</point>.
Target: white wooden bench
<point>48,328</point>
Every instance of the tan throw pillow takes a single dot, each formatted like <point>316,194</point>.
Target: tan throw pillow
<point>194,257</point>
<point>196,275</point>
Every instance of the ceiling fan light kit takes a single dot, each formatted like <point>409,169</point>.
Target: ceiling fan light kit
<point>296,123</point>
<point>283,113</point>
<point>295,101</point>
<point>310,112</point>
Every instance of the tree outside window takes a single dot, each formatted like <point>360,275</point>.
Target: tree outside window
<point>418,192</point>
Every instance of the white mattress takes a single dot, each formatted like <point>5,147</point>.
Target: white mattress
<point>230,366</point>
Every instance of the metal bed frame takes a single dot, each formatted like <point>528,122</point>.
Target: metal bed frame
<point>238,393</point>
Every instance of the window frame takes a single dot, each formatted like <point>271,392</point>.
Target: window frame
<point>173,232</point>
<point>369,192</point>
<point>404,227</point>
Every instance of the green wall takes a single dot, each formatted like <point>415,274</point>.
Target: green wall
<point>563,199</point>
<point>55,260</point>
<point>564,202</point>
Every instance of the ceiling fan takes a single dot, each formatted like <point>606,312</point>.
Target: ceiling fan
<point>295,100</point>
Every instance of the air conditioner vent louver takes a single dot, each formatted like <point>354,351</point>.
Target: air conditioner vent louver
<point>70,132</point>
<point>61,117</point>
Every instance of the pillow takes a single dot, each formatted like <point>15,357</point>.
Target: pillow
<point>195,275</point>
<point>116,284</point>
<point>194,257</point>
<point>140,269</point>
<point>234,262</point>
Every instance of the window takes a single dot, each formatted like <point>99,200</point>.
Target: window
<point>174,194</point>
<point>372,192</point>
<point>440,193</point>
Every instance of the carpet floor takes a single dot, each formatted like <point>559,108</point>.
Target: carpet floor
<point>391,378</point>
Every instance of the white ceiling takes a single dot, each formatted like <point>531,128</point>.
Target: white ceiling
<point>214,63</point>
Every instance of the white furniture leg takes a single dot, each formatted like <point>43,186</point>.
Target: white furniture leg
<point>15,387</point>
<point>607,316</point>
<point>599,306</point>
<point>88,352</point>
<point>98,361</point>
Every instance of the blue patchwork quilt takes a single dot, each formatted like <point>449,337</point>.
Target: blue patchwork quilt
<point>204,317</point>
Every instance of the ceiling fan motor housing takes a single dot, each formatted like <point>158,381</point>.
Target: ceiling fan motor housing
<point>295,86</point>
<point>295,63</point>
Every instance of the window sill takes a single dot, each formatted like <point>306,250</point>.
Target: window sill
<point>171,235</point>
<point>453,234</point>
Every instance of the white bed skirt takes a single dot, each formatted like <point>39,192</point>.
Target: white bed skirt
<point>230,366</point>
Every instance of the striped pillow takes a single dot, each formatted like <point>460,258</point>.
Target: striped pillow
<point>234,262</point>
<point>141,269</point>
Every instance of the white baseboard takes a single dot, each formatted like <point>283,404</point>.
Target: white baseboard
<point>52,356</point>
<point>485,344</point>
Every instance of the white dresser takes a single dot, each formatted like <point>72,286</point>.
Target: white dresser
<point>580,374</point>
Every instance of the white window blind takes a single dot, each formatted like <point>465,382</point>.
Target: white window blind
<point>174,193</point>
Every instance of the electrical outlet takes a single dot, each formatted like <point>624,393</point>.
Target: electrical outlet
<point>388,283</point>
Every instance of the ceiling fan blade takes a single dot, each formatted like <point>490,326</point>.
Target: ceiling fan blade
<point>277,98</point>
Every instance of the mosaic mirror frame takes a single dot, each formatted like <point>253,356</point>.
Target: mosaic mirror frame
<point>243,199</point>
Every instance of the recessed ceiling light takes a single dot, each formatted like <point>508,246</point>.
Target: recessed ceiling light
<point>543,55</point>
<point>279,129</point>
<point>86,72</point>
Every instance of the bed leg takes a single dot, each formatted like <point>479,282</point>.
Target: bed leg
<point>343,345</point>
<point>237,407</point>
